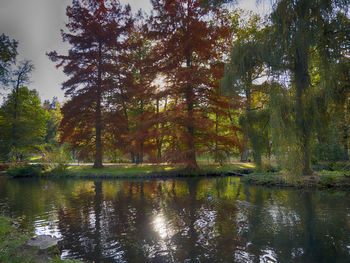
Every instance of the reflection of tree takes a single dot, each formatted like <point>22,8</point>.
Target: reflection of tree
<point>205,219</point>
<point>98,200</point>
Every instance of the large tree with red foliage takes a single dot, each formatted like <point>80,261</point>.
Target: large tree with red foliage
<point>188,50</point>
<point>96,31</point>
<point>132,97</point>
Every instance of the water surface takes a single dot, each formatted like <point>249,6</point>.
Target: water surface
<point>182,220</point>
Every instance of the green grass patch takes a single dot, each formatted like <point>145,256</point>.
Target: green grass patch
<point>334,178</point>
<point>11,241</point>
<point>128,171</point>
<point>117,171</point>
<point>230,167</point>
<point>34,159</point>
<point>124,171</point>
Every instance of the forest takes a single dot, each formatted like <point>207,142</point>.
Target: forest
<point>192,80</point>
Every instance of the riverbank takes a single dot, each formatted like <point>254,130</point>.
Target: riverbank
<point>146,171</point>
<point>127,171</point>
<point>321,179</point>
<point>13,249</point>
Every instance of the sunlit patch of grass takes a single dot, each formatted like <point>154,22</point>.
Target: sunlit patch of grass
<point>230,167</point>
<point>34,159</point>
<point>121,171</point>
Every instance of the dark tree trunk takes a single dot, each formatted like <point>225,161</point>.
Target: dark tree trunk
<point>345,132</point>
<point>15,113</point>
<point>132,156</point>
<point>141,153</point>
<point>216,139</point>
<point>158,140</point>
<point>302,81</point>
<point>245,128</point>
<point>98,120</point>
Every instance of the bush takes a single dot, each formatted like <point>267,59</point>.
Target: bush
<point>25,170</point>
<point>56,161</point>
<point>339,166</point>
<point>269,168</point>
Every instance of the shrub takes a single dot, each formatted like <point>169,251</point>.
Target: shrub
<point>56,161</point>
<point>25,170</point>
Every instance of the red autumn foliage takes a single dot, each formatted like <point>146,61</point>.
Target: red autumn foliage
<point>114,65</point>
<point>96,31</point>
<point>188,45</point>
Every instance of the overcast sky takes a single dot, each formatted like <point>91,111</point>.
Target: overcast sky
<point>36,25</point>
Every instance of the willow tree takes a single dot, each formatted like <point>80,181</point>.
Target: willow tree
<point>242,74</point>
<point>298,28</point>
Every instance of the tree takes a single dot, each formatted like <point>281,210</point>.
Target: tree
<point>30,122</point>
<point>19,78</point>
<point>8,53</point>
<point>299,28</point>
<point>53,112</point>
<point>187,48</point>
<point>243,71</point>
<point>133,95</point>
<point>96,33</point>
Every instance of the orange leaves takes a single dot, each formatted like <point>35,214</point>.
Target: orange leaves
<point>113,66</point>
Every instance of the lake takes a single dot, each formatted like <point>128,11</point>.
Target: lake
<point>217,219</point>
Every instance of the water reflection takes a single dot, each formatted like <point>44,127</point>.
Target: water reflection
<point>193,220</point>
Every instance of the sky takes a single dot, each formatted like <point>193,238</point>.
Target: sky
<point>36,25</point>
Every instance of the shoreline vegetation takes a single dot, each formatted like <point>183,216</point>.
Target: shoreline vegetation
<point>324,178</point>
<point>126,171</point>
<point>14,248</point>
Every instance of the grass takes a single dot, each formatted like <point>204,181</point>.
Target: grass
<point>12,240</point>
<point>144,171</point>
<point>118,171</point>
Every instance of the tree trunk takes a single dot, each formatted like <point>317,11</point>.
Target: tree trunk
<point>132,156</point>
<point>244,150</point>
<point>158,140</point>
<point>245,128</point>
<point>216,137</point>
<point>15,114</point>
<point>98,120</point>
<point>345,132</point>
<point>302,81</point>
